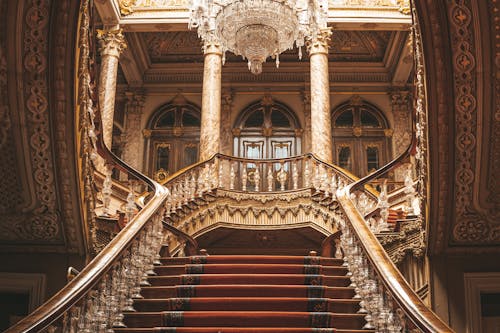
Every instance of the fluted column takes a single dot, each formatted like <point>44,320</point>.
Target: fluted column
<point>211,101</point>
<point>111,45</point>
<point>133,139</point>
<point>321,130</point>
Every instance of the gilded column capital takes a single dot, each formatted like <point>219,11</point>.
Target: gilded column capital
<point>111,42</point>
<point>319,43</point>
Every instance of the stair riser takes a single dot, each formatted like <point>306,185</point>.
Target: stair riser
<point>250,269</point>
<point>331,281</point>
<point>239,291</point>
<point>227,319</point>
<point>245,305</point>
<point>253,260</point>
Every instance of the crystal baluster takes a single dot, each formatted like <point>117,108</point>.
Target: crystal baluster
<point>232,176</point>
<point>270,179</point>
<point>307,174</point>
<point>295,176</point>
<point>244,177</point>
<point>257,178</point>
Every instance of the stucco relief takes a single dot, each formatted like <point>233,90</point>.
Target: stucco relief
<point>493,179</point>
<point>40,221</point>
<point>474,224</point>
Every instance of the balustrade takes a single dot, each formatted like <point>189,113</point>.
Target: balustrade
<point>252,176</point>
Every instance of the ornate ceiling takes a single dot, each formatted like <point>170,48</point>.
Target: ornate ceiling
<point>345,46</point>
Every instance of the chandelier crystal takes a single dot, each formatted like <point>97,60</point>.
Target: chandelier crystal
<point>258,29</point>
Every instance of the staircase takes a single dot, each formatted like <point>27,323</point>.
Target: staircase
<point>242,293</point>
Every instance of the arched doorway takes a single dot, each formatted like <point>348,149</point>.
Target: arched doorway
<point>174,136</point>
<point>360,137</point>
<point>267,129</point>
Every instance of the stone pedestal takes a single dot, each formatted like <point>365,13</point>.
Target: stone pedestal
<point>211,101</point>
<point>321,130</point>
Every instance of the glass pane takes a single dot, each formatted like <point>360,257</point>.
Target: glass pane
<point>162,157</point>
<point>368,119</point>
<point>345,158</point>
<point>256,119</point>
<point>190,155</point>
<point>345,119</point>
<point>372,159</point>
<point>189,119</point>
<point>166,120</point>
<point>278,119</point>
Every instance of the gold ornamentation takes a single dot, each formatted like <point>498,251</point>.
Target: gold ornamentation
<point>388,132</point>
<point>267,131</point>
<point>236,131</point>
<point>321,43</point>
<point>111,42</point>
<point>126,6</point>
<point>161,175</point>
<point>357,131</point>
<point>147,133</point>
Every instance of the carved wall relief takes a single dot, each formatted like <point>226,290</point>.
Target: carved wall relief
<point>474,224</point>
<point>45,138</point>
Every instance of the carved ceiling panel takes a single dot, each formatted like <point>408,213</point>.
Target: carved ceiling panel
<point>349,46</point>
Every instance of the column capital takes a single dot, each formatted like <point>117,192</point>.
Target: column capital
<point>227,98</point>
<point>135,101</point>
<point>212,46</point>
<point>400,99</point>
<point>319,43</point>
<point>111,42</point>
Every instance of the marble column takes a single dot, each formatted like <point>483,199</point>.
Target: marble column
<point>226,142</point>
<point>211,101</point>
<point>133,138</point>
<point>111,45</point>
<point>402,131</point>
<point>306,98</point>
<point>321,130</point>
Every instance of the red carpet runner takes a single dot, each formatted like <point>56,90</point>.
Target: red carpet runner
<point>239,294</point>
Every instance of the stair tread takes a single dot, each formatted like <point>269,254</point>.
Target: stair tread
<point>238,330</point>
<point>247,293</point>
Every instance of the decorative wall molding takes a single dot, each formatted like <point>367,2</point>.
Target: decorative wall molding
<point>474,285</point>
<point>25,283</point>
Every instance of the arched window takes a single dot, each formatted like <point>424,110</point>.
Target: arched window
<point>174,135</point>
<point>267,129</point>
<point>359,137</point>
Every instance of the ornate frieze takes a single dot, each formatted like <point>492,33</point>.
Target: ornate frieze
<point>262,211</point>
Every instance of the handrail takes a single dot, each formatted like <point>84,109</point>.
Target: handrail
<point>94,271</point>
<point>414,308</point>
<point>193,244</point>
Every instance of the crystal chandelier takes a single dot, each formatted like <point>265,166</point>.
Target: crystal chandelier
<point>257,29</point>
